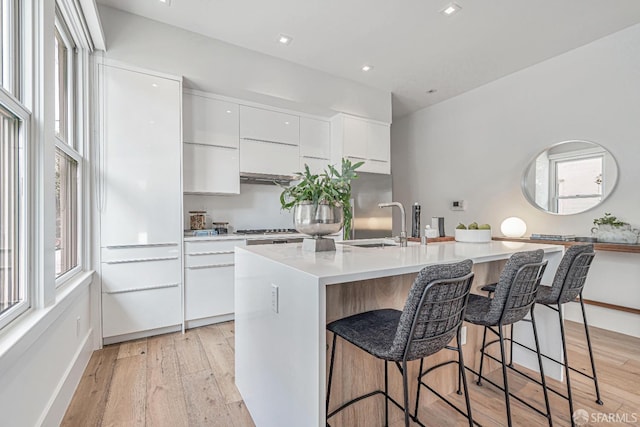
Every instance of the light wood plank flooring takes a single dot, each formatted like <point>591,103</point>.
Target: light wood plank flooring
<point>188,380</point>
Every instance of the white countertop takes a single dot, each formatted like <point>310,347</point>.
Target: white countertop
<point>349,263</point>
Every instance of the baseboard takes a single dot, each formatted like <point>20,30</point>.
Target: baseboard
<point>141,334</point>
<point>207,321</point>
<point>604,318</point>
<point>57,406</point>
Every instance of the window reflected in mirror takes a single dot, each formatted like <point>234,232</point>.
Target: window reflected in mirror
<point>570,177</point>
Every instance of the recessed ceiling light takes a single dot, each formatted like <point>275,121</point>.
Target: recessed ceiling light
<point>367,67</point>
<point>450,9</point>
<point>285,39</point>
<point>228,111</point>
<point>165,2</point>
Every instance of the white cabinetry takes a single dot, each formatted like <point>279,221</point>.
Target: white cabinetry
<point>362,140</point>
<point>315,144</point>
<point>269,141</point>
<point>211,141</point>
<point>139,199</point>
<point>209,281</point>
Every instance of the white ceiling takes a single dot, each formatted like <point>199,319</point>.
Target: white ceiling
<point>412,47</point>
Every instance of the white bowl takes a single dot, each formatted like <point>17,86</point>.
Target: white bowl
<point>473,236</point>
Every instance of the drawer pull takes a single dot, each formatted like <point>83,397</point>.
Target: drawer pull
<point>127,261</point>
<point>211,253</point>
<point>356,157</point>
<point>270,142</point>
<point>146,288</point>
<point>142,245</point>
<point>201,267</point>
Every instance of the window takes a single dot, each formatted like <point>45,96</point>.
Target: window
<point>68,158</point>
<point>578,183</point>
<point>14,124</point>
<point>9,58</point>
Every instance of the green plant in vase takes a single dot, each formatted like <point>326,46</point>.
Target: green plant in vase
<point>330,187</point>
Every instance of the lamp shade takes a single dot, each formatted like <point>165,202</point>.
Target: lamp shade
<point>513,227</point>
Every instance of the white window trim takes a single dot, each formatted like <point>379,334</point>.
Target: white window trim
<point>77,112</point>
<point>17,109</point>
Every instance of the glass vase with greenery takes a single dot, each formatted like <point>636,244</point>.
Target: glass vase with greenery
<point>331,187</point>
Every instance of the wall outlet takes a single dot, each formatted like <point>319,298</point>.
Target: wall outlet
<point>275,298</point>
<point>458,205</point>
<point>463,335</point>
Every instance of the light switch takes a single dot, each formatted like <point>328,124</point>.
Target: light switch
<point>274,298</point>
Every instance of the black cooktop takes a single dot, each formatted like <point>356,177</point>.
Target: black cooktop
<point>268,231</point>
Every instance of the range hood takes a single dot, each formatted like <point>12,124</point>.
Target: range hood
<point>266,179</point>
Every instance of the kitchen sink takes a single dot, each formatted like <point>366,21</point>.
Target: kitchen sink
<point>371,243</point>
<point>375,245</point>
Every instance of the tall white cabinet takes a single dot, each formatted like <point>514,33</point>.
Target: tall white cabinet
<point>139,200</point>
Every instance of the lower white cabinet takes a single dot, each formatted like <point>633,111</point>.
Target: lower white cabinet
<point>141,290</point>
<point>209,281</point>
<point>137,310</point>
<point>211,169</point>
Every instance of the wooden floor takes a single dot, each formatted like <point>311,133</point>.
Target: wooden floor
<point>188,380</point>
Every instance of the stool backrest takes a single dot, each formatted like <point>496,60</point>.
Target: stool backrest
<point>517,287</point>
<point>434,310</point>
<point>572,273</point>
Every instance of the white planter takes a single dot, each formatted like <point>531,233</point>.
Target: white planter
<point>473,236</point>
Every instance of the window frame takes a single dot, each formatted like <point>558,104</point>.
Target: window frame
<point>73,145</point>
<point>14,107</point>
<point>12,82</point>
<point>554,185</point>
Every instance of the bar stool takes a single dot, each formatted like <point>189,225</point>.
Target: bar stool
<point>568,284</point>
<point>515,295</point>
<point>431,317</point>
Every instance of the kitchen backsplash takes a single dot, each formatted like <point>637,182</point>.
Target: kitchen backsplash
<point>257,206</point>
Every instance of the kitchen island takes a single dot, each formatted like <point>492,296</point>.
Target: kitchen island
<point>284,297</point>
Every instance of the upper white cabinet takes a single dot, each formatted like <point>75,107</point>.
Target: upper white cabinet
<point>210,121</point>
<point>269,126</point>
<point>362,140</point>
<point>210,169</point>
<point>211,135</point>
<point>269,141</point>
<point>140,188</point>
<point>315,144</point>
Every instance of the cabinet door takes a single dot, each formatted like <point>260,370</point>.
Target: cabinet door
<point>315,138</point>
<point>141,310</point>
<point>355,138</point>
<point>316,166</point>
<point>208,291</point>
<point>268,158</point>
<point>266,125</point>
<point>210,121</point>
<point>378,144</point>
<point>140,189</point>
<point>210,169</point>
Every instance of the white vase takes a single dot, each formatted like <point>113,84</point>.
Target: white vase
<point>615,234</point>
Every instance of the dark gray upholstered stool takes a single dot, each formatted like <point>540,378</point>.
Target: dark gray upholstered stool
<point>432,316</point>
<point>568,284</point>
<point>515,296</point>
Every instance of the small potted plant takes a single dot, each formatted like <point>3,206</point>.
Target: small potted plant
<point>610,229</point>
<point>322,202</point>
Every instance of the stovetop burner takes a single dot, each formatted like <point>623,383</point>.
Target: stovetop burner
<point>268,231</point>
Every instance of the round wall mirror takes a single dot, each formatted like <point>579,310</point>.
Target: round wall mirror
<point>570,177</point>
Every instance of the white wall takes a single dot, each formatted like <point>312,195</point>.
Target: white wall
<point>214,66</point>
<point>257,206</point>
<point>476,147</point>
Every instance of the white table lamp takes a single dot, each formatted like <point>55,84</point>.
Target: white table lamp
<point>513,227</point>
